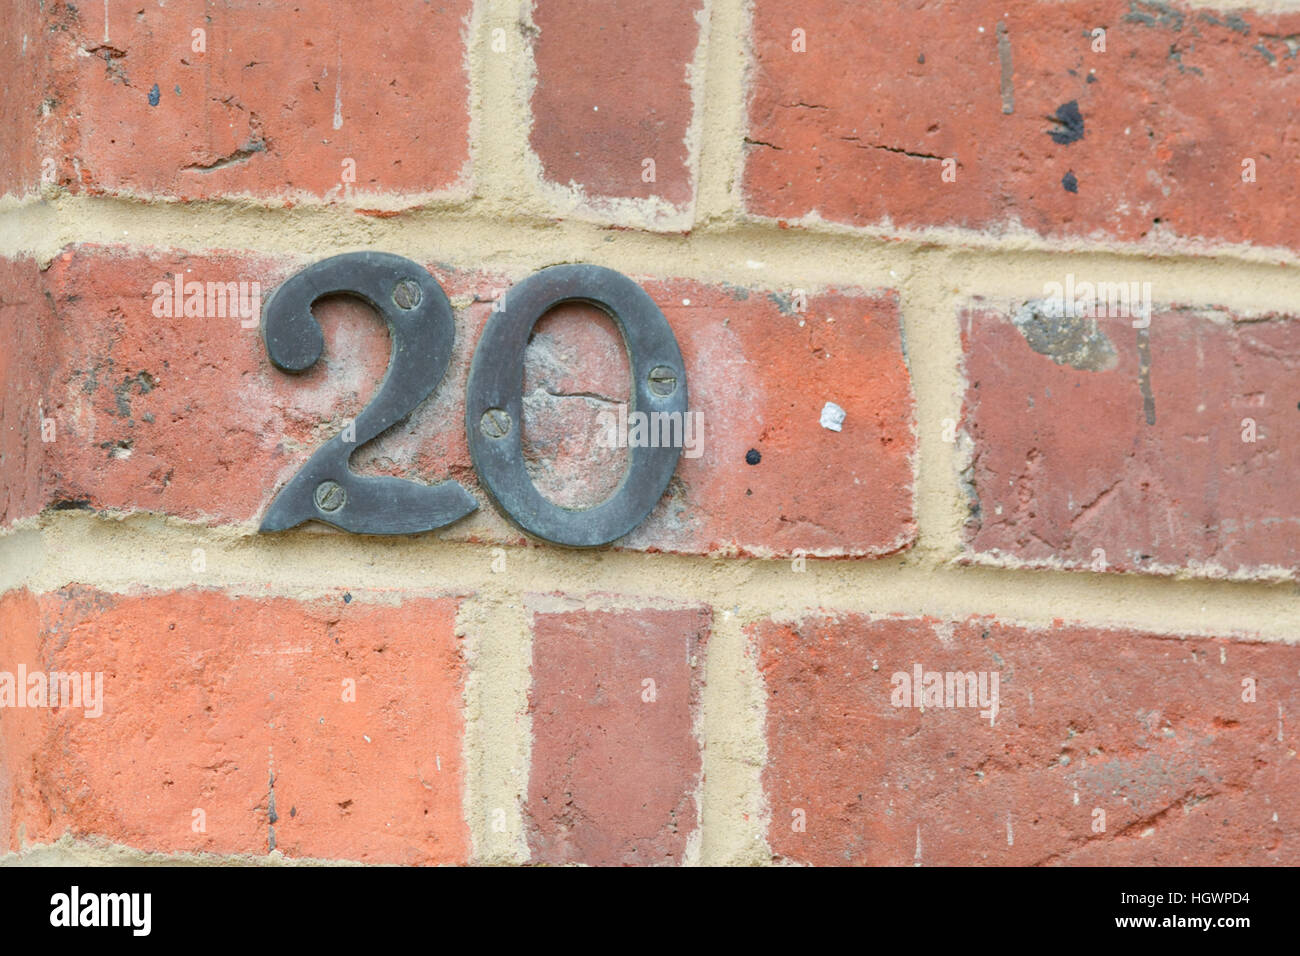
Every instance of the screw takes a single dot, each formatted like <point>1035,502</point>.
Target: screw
<point>407,294</point>
<point>663,380</point>
<point>330,496</point>
<point>495,423</point>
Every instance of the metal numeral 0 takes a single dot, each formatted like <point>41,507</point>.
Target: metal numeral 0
<point>494,404</point>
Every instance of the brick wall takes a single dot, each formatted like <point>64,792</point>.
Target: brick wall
<point>1086,506</point>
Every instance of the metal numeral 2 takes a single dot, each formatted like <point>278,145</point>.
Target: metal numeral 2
<point>421,328</point>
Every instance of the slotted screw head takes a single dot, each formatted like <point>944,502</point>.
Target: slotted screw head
<point>330,496</point>
<point>406,294</point>
<point>663,380</point>
<point>495,423</point>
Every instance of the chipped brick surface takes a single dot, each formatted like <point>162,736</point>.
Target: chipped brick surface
<point>1183,460</point>
<point>1152,731</point>
<point>1151,133</point>
<point>187,417</point>
<point>613,91</point>
<point>238,707</point>
<point>615,761</point>
<point>277,104</point>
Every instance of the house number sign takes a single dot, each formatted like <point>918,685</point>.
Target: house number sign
<point>421,330</point>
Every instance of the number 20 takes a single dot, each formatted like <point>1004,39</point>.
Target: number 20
<point>421,330</point>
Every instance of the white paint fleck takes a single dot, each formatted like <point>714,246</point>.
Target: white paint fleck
<point>1011,839</point>
<point>832,417</point>
<point>338,90</point>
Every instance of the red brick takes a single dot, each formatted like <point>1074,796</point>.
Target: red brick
<point>760,375</point>
<point>855,128</point>
<point>157,414</point>
<point>614,772</point>
<point>25,321</point>
<point>204,692</point>
<point>282,96</point>
<point>613,89</point>
<point>24,72</point>
<point>1065,461</point>
<point>1152,730</point>
<point>188,418</point>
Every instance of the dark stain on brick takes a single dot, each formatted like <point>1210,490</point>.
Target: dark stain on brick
<point>1066,339</point>
<point>1290,40</point>
<point>1006,88</point>
<point>1176,57</point>
<point>1233,22</point>
<point>70,504</point>
<point>1070,182</point>
<point>782,302</point>
<point>143,382</point>
<point>1144,375</point>
<point>1153,13</point>
<point>1069,122</point>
